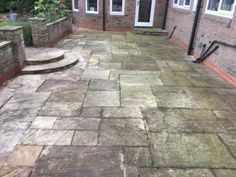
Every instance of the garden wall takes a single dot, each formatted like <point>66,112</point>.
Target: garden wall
<point>12,52</point>
<point>47,34</point>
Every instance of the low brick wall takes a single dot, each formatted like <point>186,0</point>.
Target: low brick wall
<point>47,34</point>
<point>12,52</point>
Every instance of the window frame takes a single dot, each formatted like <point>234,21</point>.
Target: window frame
<point>219,12</point>
<point>91,12</point>
<point>122,13</point>
<point>73,6</point>
<point>185,7</point>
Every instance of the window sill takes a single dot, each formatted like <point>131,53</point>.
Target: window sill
<point>91,13</point>
<point>75,10</point>
<point>217,18</point>
<point>117,15</point>
<point>181,10</point>
<point>219,15</point>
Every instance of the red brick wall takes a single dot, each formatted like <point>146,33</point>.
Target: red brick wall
<point>210,28</point>
<point>113,23</point>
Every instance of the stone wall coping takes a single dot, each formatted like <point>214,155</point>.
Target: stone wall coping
<point>4,44</point>
<point>10,28</point>
<point>57,21</point>
<point>38,19</point>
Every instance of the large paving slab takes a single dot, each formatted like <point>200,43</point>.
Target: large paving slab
<point>102,98</point>
<point>168,172</point>
<point>80,161</point>
<point>190,150</point>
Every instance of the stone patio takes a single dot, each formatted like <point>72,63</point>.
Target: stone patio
<point>134,106</point>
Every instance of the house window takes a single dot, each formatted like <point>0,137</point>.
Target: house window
<point>117,7</point>
<point>92,6</point>
<point>75,4</point>
<point>224,8</point>
<point>182,4</point>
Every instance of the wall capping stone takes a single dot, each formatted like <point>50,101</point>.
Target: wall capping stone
<point>10,28</point>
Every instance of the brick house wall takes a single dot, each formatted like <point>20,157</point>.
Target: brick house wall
<point>115,23</point>
<point>210,28</point>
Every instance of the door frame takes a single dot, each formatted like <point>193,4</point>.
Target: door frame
<point>144,24</point>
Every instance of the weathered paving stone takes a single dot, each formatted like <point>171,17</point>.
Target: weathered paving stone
<point>16,115</point>
<point>65,109</point>
<point>206,81</point>
<point>75,123</point>
<point>102,98</point>
<point>91,112</point>
<point>156,89</point>
<point>225,173</point>
<point>10,134</point>
<point>230,141</point>
<point>231,115</point>
<point>145,66</point>
<point>137,95</point>
<point>167,172</point>
<point>111,124</point>
<point>25,83</point>
<point>190,150</point>
<point>137,156</point>
<point>69,96</point>
<point>47,137</point>
<point>229,126</point>
<point>21,172</point>
<point>206,127</point>
<point>196,114</point>
<point>176,80</point>
<point>180,66</point>
<point>24,155</point>
<point>4,97</point>
<point>43,122</point>
<point>103,85</point>
<point>123,132</point>
<point>122,112</point>
<point>175,100</point>
<point>26,100</point>
<point>85,138</point>
<point>79,161</point>
<point>168,120</point>
<point>139,80</point>
<point>95,74</point>
<point>111,66</point>
<point>63,86</point>
<point>206,98</point>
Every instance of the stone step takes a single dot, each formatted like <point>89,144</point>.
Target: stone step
<point>69,60</point>
<point>150,31</point>
<point>36,56</point>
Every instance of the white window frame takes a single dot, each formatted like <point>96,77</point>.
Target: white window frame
<point>194,8</point>
<point>221,13</point>
<point>186,7</point>
<point>91,12</point>
<point>117,13</point>
<point>73,6</point>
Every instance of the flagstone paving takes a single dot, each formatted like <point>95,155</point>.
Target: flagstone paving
<point>134,106</point>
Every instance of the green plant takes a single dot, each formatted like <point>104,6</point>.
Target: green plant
<point>19,6</point>
<point>50,9</point>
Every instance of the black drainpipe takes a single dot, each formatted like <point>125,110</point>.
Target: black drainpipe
<point>104,15</point>
<point>165,14</point>
<point>194,28</point>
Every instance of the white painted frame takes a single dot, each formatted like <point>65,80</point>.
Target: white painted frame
<point>186,7</point>
<point>144,24</point>
<point>122,13</point>
<point>221,13</point>
<point>73,6</point>
<point>91,12</point>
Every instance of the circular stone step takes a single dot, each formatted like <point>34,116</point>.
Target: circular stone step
<point>36,56</point>
<point>69,61</point>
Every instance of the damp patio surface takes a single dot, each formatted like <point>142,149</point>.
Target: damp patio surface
<point>134,106</point>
